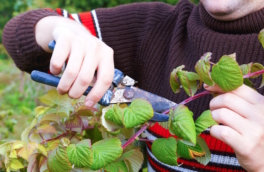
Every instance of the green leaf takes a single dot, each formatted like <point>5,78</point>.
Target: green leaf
<point>109,125</point>
<point>165,150</point>
<point>15,164</point>
<point>189,152</point>
<point>115,114</point>
<point>58,160</point>
<point>116,167</point>
<point>245,68</point>
<point>94,134</point>
<point>174,82</point>
<point>261,37</point>
<point>54,98</point>
<point>139,112</point>
<point>257,67</point>
<point>203,67</point>
<point>227,74</point>
<point>5,147</point>
<point>189,86</point>
<point>207,157</point>
<point>182,125</point>
<point>133,158</point>
<point>49,118</point>
<point>204,121</point>
<point>80,154</point>
<point>105,152</point>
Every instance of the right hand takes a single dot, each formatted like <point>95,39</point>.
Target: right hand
<point>85,54</point>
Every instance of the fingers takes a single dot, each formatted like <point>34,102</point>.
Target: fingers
<point>85,76</point>
<point>233,103</point>
<point>105,75</point>
<point>229,136</point>
<point>243,91</point>
<point>59,56</point>
<point>229,118</point>
<point>72,71</point>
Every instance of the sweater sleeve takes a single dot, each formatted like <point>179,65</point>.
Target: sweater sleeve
<point>121,28</point>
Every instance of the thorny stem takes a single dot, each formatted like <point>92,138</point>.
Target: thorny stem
<point>136,135</point>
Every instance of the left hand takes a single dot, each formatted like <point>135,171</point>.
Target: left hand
<point>242,114</point>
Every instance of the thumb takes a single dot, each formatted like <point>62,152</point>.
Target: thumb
<point>214,88</point>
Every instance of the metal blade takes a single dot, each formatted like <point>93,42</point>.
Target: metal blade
<point>126,95</point>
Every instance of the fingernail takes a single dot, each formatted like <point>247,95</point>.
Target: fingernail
<point>206,86</point>
<point>89,103</point>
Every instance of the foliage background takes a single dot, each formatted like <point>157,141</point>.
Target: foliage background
<point>18,94</point>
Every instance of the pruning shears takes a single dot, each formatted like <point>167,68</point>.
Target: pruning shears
<point>122,90</point>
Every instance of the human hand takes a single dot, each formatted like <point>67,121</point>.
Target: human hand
<point>85,54</point>
<point>242,114</point>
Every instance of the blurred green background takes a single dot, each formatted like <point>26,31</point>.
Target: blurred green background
<point>18,94</point>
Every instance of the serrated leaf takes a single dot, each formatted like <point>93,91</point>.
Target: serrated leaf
<point>261,37</point>
<point>204,121</point>
<point>189,86</point>
<point>94,134</point>
<point>15,164</point>
<point>182,125</point>
<point>46,128</point>
<point>245,68</point>
<point>257,67</point>
<point>54,98</point>
<point>174,82</point>
<point>115,114</point>
<point>203,67</point>
<point>74,124</point>
<point>61,111</point>
<point>27,150</point>
<point>5,147</point>
<point>17,144</point>
<point>103,156</point>
<point>139,112</point>
<point>58,160</point>
<point>227,74</point>
<point>116,167</point>
<point>32,163</point>
<point>80,154</point>
<point>25,134</point>
<point>51,145</point>
<point>49,118</point>
<point>133,159</point>
<point>207,157</point>
<point>85,111</point>
<point>108,125</point>
<point>165,150</point>
<point>40,110</point>
<point>13,154</point>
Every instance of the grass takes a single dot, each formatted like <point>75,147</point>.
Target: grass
<point>18,99</point>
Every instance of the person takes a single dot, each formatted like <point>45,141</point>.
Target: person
<point>147,41</point>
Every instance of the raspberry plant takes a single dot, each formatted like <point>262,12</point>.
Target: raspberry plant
<point>67,136</point>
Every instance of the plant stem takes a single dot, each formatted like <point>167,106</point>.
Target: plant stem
<point>253,74</point>
<point>136,135</point>
<point>145,140</point>
<point>59,136</point>
<point>189,100</point>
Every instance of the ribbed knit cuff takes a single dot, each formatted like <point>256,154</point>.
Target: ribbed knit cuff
<point>19,36</point>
